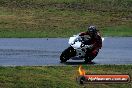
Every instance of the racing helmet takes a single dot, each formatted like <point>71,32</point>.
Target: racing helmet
<point>92,30</point>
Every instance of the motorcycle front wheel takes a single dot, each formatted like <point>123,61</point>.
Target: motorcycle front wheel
<point>67,54</point>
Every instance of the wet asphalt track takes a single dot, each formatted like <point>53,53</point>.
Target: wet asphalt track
<point>46,51</point>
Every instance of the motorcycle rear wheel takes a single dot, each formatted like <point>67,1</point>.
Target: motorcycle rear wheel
<point>90,58</point>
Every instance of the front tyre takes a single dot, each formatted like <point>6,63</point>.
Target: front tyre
<point>67,54</point>
<point>63,57</point>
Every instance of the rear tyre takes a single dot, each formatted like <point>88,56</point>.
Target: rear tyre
<point>89,58</point>
<point>67,54</point>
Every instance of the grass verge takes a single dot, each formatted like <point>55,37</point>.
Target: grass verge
<point>63,18</point>
<point>58,77</point>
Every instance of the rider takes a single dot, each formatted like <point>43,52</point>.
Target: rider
<point>92,39</point>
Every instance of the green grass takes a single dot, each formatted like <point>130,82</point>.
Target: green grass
<point>117,31</point>
<point>63,18</point>
<point>58,77</point>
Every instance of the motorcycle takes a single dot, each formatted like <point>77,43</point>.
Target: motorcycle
<point>77,50</point>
